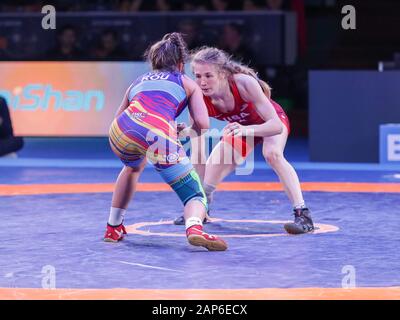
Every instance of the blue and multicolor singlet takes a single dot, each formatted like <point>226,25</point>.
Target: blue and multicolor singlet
<point>147,127</point>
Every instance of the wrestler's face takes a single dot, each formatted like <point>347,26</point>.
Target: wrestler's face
<point>208,78</point>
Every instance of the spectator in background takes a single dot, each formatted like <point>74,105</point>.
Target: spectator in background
<point>9,144</point>
<point>99,5</point>
<point>194,5</point>
<point>298,7</point>
<point>109,47</point>
<point>249,5</point>
<point>276,5</point>
<point>219,5</point>
<point>3,48</point>
<point>232,42</point>
<point>130,5</point>
<point>67,46</point>
<point>163,5</point>
<point>145,5</point>
<point>21,5</point>
<point>190,34</point>
<point>68,5</point>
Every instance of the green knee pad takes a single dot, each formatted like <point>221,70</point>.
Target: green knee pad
<point>189,188</point>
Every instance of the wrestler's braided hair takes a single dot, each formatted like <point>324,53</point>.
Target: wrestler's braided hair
<point>168,53</point>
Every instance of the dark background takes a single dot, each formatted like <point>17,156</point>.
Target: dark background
<point>120,30</point>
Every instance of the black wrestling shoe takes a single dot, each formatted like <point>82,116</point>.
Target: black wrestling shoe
<point>302,222</point>
<point>180,221</point>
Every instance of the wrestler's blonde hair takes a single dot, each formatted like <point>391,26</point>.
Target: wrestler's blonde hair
<point>224,62</point>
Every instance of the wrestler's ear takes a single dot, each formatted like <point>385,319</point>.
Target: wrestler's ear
<point>181,66</point>
<point>223,74</point>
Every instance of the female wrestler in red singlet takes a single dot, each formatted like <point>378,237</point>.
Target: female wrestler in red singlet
<point>235,94</point>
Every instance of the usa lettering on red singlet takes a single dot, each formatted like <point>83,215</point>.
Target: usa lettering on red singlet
<point>240,117</point>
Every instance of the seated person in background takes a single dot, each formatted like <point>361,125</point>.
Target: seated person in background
<point>250,5</point>
<point>109,47</point>
<point>190,33</point>
<point>8,142</point>
<point>277,5</point>
<point>67,47</point>
<point>232,42</point>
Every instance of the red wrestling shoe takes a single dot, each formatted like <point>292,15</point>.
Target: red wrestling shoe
<point>114,233</point>
<point>197,237</point>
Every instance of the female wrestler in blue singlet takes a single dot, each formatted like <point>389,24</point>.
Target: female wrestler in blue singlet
<point>145,128</point>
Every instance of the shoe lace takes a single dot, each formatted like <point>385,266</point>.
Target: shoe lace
<point>300,217</point>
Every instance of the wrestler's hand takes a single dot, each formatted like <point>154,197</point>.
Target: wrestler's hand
<point>181,126</point>
<point>183,130</point>
<point>234,129</point>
